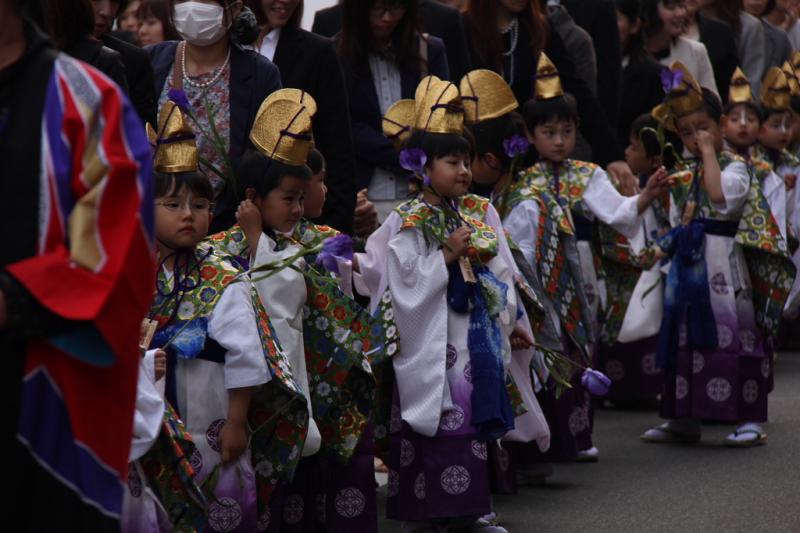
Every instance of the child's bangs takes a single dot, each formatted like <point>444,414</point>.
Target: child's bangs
<point>172,183</point>
<point>439,145</point>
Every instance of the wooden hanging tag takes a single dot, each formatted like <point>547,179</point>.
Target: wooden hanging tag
<point>466,270</point>
<point>146,333</point>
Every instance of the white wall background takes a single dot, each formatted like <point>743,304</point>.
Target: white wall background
<point>311,7</point>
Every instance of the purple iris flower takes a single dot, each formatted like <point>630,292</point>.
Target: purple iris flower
<point>333,248</point>
<point>595,382</point>
<point>671,79</point>
<point>178,96</point>
<point>413,160</point>
<point>515,145</point>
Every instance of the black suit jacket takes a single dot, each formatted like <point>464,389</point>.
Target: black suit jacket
<point>372,148</point>
<point>641,91</point>
<point>309,62</point>
<point>253,78</point>
<point>599,19</point>
<point>722,51</point>
<point>139,74</point>
<point>436,19</point>
<point>594,125</point>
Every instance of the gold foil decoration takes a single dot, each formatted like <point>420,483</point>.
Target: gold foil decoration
<point>740,91</point>
<point>175,143</point>
<point>398,121</point>
<point>439,109</point>
<point>282,131</point>
<point>548,83</point>
<point>485,95</point>
<point>775,92</point>
<point>293,95</point>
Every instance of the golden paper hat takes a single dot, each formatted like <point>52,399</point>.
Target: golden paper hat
<point>775,93</point>
<point>548,83</point>
<point>174,143</point>
<point>794,60</point>
<point>282,131</point>
<point>791,78</point>
<point>293,95</point>
<point>438,108</point>
<point>485,95</point>
<point>398,120</point>
<point>740,91</point>
<point>684,98</point>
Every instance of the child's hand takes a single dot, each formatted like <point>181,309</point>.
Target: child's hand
<point>705,142</point>
<point>657,184</point>
<point>457,244</point>
<point>790,180</point>
<point>232,440</point>
<point>520,339</point>
<point>249,218</point>
<point>160,364</point>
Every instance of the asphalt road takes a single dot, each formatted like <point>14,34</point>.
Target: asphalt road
<point>638,487</point>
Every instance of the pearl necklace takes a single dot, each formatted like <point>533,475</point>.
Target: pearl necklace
<point>206,84</point>
<point>514,29</point>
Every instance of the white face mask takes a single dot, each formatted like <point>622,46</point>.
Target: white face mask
<point>198,23</point>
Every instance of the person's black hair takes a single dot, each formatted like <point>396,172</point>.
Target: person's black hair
<point>490,134</point>
<point>172,183</point>
<point>794,103</point>
<point>439,145</point>
<point>245,28</point>
<point>161,10</point>
<point>767,112</point>
<point>712,104</point>
<point>293,22</point>
<point>540,111</point>
<point>259,172</point>
<point>644,128</point>
<point>652,19</point>
<point>769,8</point>
<point>66,22</point>
<point>632,10</point>
<point>315,161</point>
<point>355,41</point>
<point>752,106</point>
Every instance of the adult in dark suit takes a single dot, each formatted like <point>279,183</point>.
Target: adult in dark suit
<point>435,19</point>
<point>718,37</point>
<point>138,71</point>
<point>518,68</point>
<point>641,88</point>
<point>599,18</point>
<point>309,62</point>
<point>252,79</point>
<point>373,150</point>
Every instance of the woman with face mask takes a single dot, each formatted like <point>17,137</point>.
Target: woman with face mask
<point>224,83</point>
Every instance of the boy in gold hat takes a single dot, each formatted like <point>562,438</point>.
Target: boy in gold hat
<point>321,329</point>
<point>223,370</point>
<point>570,195</point>
<point>727,281</point>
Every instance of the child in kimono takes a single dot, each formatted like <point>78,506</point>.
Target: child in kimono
<point>551,211</point>
<point>627,344</point>
<point>315,322</point>
<point>208,326</point>
<point>727,281</point>
<point>454,309</point>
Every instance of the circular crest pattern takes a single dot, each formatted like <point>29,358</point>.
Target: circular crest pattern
<point>479,450</point>
<point>419,486</point>
<point>649,365</point>
<point>263,520</point>
<point>724,335</point>
<point>134,481</point>
<point>393,484</point>
<point>212,433</point>
<point>750,391</point>
<point>718,389</point>
<point>350,502</point>
<point>293,509</point>
<point>578,420</point>
<point>765,367</point>
<point>452,419</point>
<point>452,356</point>
<point>224,514</point>
<point>698,362</point>
<point>681,388</point>
<point>406,452</point>
<point>615,369</point>
<point>455,480</point>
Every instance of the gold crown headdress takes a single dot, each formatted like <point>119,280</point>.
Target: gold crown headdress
<point>438,107</point>
<point>175,145</point>
<point>775,92</point>
<point>791,78</point>
<point>293,95</point>
<point>683,95</point>
<point>740,91</point>
<point>548,82</point>
<point>282,131</point>
<point>485,95</point>
<point>398,120</point>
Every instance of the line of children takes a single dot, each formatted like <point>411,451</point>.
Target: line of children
<point>280,389</point>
